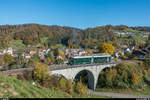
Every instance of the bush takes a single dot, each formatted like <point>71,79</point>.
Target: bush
<point>51,82</point>
<point>69,86</point>
<point>145,75</point>
<point>54,82</point>
<point>80,88</point>
<point>62,84</point>
<point>135,79</point>
<point>122,85</point>
<point>27,75</point>
<point>20,77</point>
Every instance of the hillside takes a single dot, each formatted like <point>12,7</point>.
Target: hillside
<point>27,36</point>
<point>13,88</point>
<point>10,87</point>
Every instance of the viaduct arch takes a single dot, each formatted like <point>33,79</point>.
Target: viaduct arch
<point>93,73</point>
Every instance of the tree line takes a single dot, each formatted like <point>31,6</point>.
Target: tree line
<point>47,36</point>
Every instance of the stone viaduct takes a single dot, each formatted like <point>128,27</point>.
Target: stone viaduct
<point>92,70</point>
<point>70,72</point>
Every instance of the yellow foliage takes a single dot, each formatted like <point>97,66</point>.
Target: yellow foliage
<point>62,84</point>
<point>47,60</point>
<point>81,88</point>
<point>90,51</point>
<point>60,52</point>
<point>107,48</point>
<point>69,86</point>
<point>41,71</point>
<point>135,79</point>
<point>7,58</point>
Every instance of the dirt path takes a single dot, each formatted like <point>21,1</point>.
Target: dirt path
<point>117,95</point>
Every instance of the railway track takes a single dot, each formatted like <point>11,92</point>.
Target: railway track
<point>56,67</point>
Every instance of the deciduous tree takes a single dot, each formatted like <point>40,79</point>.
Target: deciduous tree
<point>107,48</point>
<point>41,71</point>
<point>7,59</point>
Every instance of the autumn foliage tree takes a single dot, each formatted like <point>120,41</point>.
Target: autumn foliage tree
<point>107,48</point>
<point>41,72</point>
<point>7,59</point>
<point>124,75</point>
<point>90,51</point>
<point>60,52</point>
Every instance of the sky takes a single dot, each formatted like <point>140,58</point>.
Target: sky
<point>75,13</point>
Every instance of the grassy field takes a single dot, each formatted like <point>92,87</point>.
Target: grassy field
<point>10,87</point>
<point>146,91</point>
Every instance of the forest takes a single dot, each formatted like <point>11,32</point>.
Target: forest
<point>31,36</point>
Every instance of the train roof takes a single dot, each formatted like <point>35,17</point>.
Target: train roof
<point>94,55</point>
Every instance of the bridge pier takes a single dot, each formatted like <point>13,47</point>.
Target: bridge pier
<point>95,81</point>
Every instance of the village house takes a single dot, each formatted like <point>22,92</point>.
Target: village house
<point>82,52</point>
<point>125,33</point>
<point>95,51</point>
<point>117,53</point>
<point>75,52</point>
<point>127,50</point>
<point>32,52</point>
<point>41,53</point>
<point>26,54</point>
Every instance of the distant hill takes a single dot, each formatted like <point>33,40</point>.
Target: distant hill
<point>34,34</point>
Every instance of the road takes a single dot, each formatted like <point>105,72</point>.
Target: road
<point>117,95</point>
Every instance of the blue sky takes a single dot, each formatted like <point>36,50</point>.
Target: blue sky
<point>75,13</point>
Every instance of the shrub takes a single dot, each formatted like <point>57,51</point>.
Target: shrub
<point>62,84</point>
<point>54,82</point>
<point>122,85</point>
<point>20,77</point>
<point>27,75</point>
<point>69,86</point>
<point>145,75</point>
<point>51,82</point>
<point>80,88</point>
<point>7,59</point>
<point>135,79</point>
